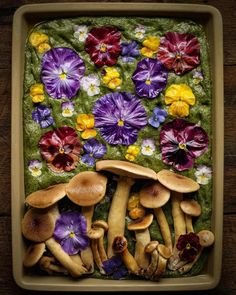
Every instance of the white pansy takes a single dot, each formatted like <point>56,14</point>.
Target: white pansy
<point>139,32</point>
<point>81,32</point>
<point>35,167</point>
<point>203,174</point>
<point>91,84</point>
<point>148,147</point>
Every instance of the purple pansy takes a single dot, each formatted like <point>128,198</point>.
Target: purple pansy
<point>119,117</point>
<point>129,51</point>
<point>158,117</point>
<point>150,78</point>
<point>42,115</point>
<point>115,267</point>
<point>93,149</point>
<point>181,142</point>
<point>71,232</point>
<point>62,69</point>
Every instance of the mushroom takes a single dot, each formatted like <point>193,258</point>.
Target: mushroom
<point>46,197</point>
<point>142,235</point>
<point>33,253</point>
<point>151,249</point>
<point>154,196</point>
<point>190,208</point>
<point>120,247</point>
<point>127,172</point>
<point>104,226</point>
<point>164,254</point>
<point>49,264</point>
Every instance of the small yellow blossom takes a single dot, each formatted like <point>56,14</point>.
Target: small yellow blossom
<point>40,41</point>
<point>133,201</point>
<point>43,47</point>
<point>179,97</point>
<point>151,44</point>
<point>85,123</point>
<point>37,93</point>
<point>136,210</point>
<point>132,152</point>
<point>136,213</point>
<point>111,78</point>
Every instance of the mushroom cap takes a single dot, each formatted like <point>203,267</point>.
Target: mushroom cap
<point>128,169</point>
<point>33,253</point>
<point>87,188</point>
<point>177,182</point>
<point>37,225</point>
<point>47,197</point>
<point>154,195</point>
<point>191,207</point>
<point>119,244</point>
<point>164,251</point>
<point>100,223</point>
<point>141,223</point>
<point>95,233</point>
<point>151,246</point>
<point>206,238</point>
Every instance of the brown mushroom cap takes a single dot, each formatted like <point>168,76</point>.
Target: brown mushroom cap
<point>151,246</point>
<point>164,251</point>
<point>191,207</point>
<point>119,244</point>
<point>38,225</point>
<point>177,182</point>
<point>141,223</point>
<point>154,195</point>
<point>46,197</point>
<point>206,238</point>
<point>124,168</point>
<point>86,188</point>
<point>100,223</point>
<point>33,254</point>
<point>95,233</point>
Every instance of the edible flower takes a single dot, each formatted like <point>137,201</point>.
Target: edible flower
<point>40,41</point>
<point>158,117</point>
<point>37,92</point>
<point>179,52</point>
<point>114,266</point>
<point>148,147</point>
<point>111,78</point>
<point>151,44</point>
<point>93,149</point>
<point>68,108</point>
<point>81,32</point>
<point>119,116</point>
<point>85,123</point>
<point>129,51</point>
<point>189,246</point>
<point>132,152</point>
<point>150,78</point>
<point>42,115</point>
<point>71,232</point>
<point>197,77</point>
<point>62,70</point>
<point>103,45</point>
<point>60,148</point>
<point>181,142</point>
<point>136,210</point>
<point>35,167</point>
<point>180,97</point>
<point>139,32</point>
<point>91,84</point>
<point>203,174</point>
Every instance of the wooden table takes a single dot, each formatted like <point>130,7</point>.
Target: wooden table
<point>227,8</point>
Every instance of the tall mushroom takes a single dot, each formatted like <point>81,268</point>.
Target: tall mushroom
<point>151,249</point>
<point>127,172</point>
<point>191,208</point>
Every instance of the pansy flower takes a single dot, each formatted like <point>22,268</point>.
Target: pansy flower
<point>37,92</point>
<point>85,124</point>
<point>132,152</point>
<point>181,142</point>
<point>93,149</point>
<point>158,117</point>
<point>179,97</point>
<point>139,32</point>
<point>40,41</point>
<point>35,167</point>
<point>148,147</point>
<point>150,46</point>
<point>119,117</point>
<point>203,174</point>
<point>103,45</point>
<point>150,78</point>
<point>91,84</point>
<point>81,32</point>
<point>179,52</point>
<point>188,246</point>
<point>129,51</point>
<point>62,70</point>
<point>111,78</point>
<point>68,108</point>
<point>197,77</point>
<point>42,115</point>
<point>71,232</point>
<point>60,148</point>
<point>114,267</point>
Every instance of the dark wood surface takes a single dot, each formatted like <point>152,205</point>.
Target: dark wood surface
<point>227,8</point>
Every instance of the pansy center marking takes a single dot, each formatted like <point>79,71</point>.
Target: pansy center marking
<point>103,47</point>
<point>61,150</point>
<point>182,146</point>
<point>120,123</point>
<point>148,82</point>
<point>72,234</point>
<point>63,76</point>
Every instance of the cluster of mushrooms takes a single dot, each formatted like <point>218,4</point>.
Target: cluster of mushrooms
<point>86,189</point>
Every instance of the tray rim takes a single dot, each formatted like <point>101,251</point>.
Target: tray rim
<point>199,282</point>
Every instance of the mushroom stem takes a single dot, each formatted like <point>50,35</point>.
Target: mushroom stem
<point>187,266</point>
<point>117,212</point>
<point>164,254</point>
<point>153,264</point>
<point>88,211</point>
<point>189,223</point>
<point>142,239</point>
<point>48,264</point>
<point>101,250</point>
<point>96,256</point>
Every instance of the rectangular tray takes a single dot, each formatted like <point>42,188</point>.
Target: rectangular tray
<point>24,19</point>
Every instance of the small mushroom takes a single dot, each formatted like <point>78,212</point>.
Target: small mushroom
<point>104,226</point>
<point>190,208</point>
<point>46,197</point>
<point>164,254</point>
<point>151,249</point>
<point>142,236</point>
<point>33,253</point>
<point>49,264</point>
<point>127,172</point>
<point>120,247</point>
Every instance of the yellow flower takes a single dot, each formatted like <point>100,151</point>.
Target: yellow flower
<point>179,97</point>
<point>111,78</point>
<point>133,201</point>
<point>151,44</point>
<point>85,123</point>
<point>43,47</point>
<point>37,93</point>
<point>132,152</point>
<point>37,38</point>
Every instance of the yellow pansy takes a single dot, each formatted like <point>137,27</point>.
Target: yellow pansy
<point>132,152</point>
<point>179,97</point>
<point>43,47</point>
<point>85,123</point>
<point>111,78</point>
<point>37,93</point>
<point>40,41</point>
<point>133,201</point>
<point>151,44</point>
